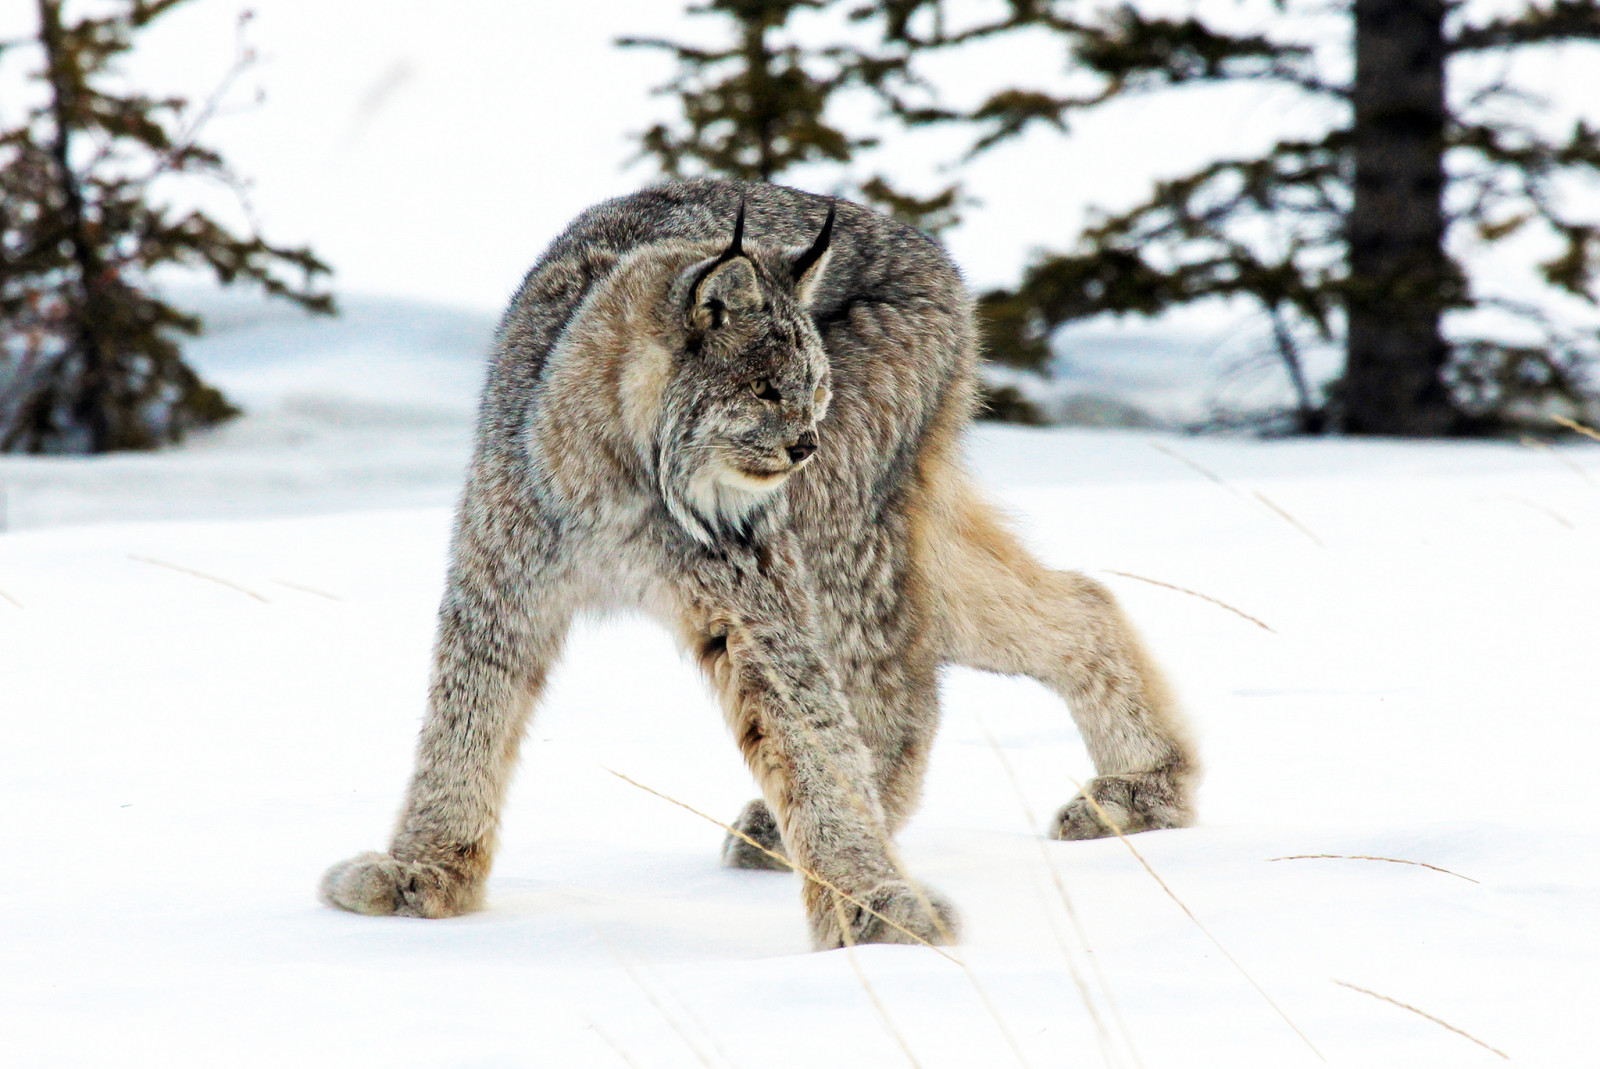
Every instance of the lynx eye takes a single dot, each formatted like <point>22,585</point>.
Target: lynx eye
<point>764,389</point>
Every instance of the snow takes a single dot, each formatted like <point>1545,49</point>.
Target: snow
<point>214,662</point>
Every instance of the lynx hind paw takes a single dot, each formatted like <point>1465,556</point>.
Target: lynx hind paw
<point>896,911</point>
<point>379,885</point>
<point>1132,803</point>
<point>756,821</point>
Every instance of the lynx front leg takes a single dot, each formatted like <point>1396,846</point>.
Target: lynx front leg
<point>1005,612</point>
<point>786,710</point>
<point>500,630</point>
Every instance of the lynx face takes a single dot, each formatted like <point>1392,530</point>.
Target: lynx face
<point>749,385</point>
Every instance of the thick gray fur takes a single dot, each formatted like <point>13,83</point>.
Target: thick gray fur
<point>645,442</point>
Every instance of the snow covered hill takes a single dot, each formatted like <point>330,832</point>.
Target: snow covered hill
<point>204,709</point>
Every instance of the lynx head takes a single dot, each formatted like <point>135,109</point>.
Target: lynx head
<point>748,383</point>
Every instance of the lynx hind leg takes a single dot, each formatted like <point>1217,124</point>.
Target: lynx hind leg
<point>755,822</point>
<point>1005,612</point>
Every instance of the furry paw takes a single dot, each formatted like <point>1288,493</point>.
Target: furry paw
<point>901,912</point>
<point>382,886</point>
<point>756,821</point>
<point>1139,801</point>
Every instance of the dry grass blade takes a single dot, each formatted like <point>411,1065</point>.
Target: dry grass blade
<point>1197,468</point>
<point>866,810</point>
<point>1277,509</point>
<point>1429,1016</point>
<point>307,589</point>
<point>1281,511</point>
<point>1574,425</point>
<point>1370,857</point>
<point>608,1041</point>
<point>1101,1032</point>
<point>199,575</point>
<point>1550,512</point>
<point>1105,819</point>
<point>1548,450</point>
<point>654,1000</point>
<point>11,599</point>
<point>1193,594</point>
<point>807,873</point>
<point>872,993</point>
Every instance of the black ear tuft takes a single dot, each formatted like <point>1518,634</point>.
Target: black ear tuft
<point>736,246</point>
<point>808,259</point>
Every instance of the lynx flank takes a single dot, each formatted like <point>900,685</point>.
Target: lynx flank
<point>738,407</point>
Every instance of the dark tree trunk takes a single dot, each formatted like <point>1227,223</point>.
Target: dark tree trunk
<point>93,406</point>
<point>1401,280</point>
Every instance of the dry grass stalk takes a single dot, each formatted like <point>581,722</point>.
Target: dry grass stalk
<point>11,599</point>
<point>198,575</point>
<point>608,1041</point>
<point>1105,818</point>
<point>1232,489</point>
<point>1550,512</point>
<point>1574,425</point>
<point>307,589</point>
<point>983,994</point>
<point>1429,1016</point>
<point>1281,511</point>
<point>1370,857</point>
<point>872,993</point>
<point>945,933</point>
<point>1192,594</point>
<point>807,873</point>
<point>654,1000</point>
<point>1107,1047</point>
<point>1548,450</point>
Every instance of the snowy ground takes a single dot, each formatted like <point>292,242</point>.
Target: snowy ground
<point>186,752</point>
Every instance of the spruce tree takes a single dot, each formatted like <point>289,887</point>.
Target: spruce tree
<point>1345,232</point>
<point>759,106</point>
<point>89,358</point>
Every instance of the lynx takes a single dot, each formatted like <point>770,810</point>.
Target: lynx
<point>756,439</point>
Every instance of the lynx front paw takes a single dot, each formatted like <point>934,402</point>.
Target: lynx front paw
<point>896,911</point>
<point>755,821</point>
<point>381,886</point>
<point>1129,803</point>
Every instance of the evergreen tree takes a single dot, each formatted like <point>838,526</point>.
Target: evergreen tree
<point>758,107</point>
<point>1349,230</point>
<point>88,356</point>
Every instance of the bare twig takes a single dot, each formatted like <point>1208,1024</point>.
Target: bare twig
<point>1193,594</point>
<point>1105,819</point>
<point>1369,857</point>
<point>1429,1016</point>
<point>198,575</point>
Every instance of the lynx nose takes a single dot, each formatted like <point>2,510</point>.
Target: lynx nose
<point>803,447</point>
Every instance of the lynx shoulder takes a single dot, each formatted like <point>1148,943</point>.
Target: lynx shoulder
<point>738,407</point>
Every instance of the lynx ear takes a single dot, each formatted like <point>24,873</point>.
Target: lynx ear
<point>724,284</point>
<point>808,267</point>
